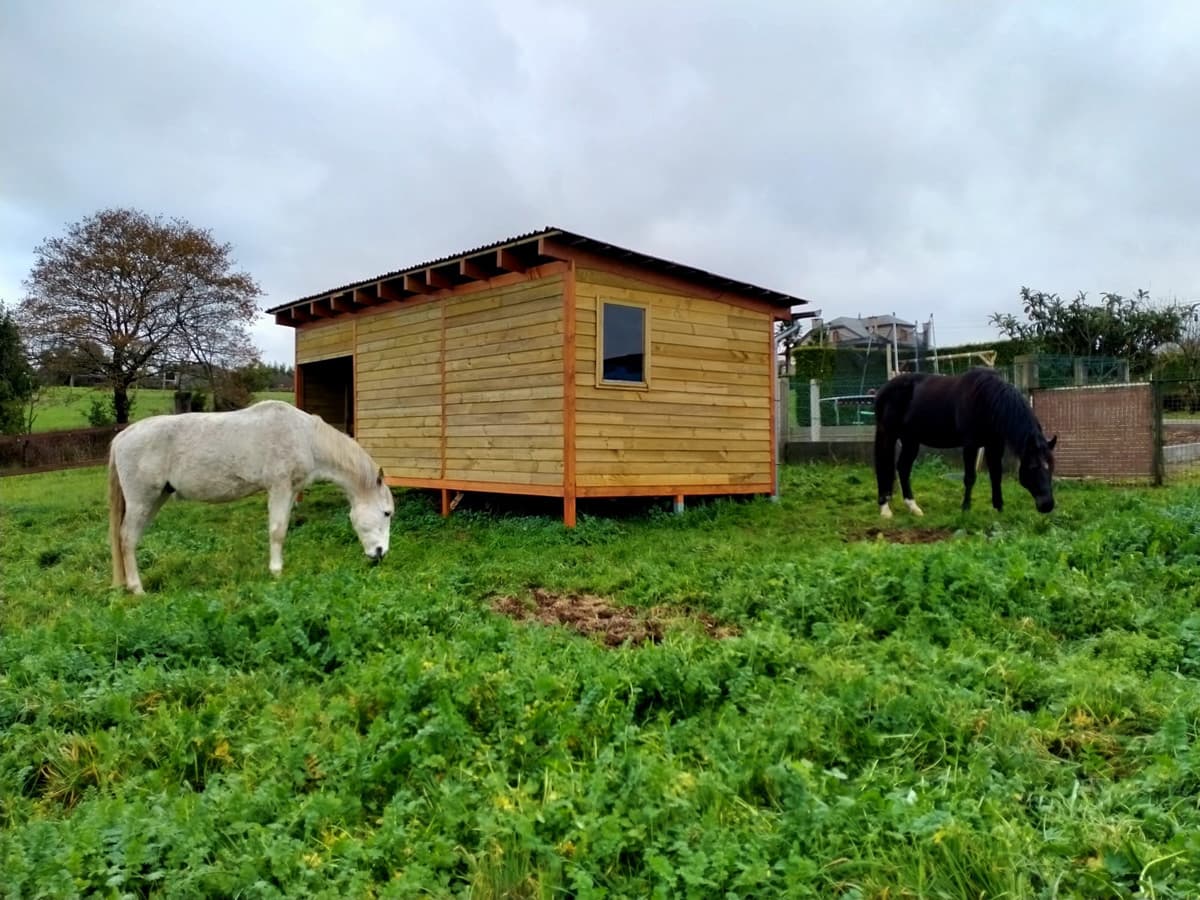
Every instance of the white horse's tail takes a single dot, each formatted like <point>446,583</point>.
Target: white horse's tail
<point>116,516</point>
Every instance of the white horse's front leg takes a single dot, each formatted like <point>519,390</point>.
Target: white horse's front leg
<point>279,511</point>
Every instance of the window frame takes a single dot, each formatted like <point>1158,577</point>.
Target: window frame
<point>601,381</point>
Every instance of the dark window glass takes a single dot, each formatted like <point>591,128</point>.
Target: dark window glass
<point>624,343</point>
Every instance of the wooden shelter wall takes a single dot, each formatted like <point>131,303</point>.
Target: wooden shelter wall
<point>504,384</point>
<point>705,418</point>
<point>399,389</point>
<point>324,341</point>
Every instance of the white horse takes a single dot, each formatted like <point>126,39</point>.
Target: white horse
<point>270,446</point>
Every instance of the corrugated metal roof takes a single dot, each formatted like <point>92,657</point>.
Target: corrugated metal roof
<point>771,297</point>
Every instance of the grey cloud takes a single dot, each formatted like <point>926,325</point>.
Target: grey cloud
<point>916,158</point>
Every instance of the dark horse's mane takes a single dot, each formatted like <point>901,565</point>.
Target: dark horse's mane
<point>1007,408</point>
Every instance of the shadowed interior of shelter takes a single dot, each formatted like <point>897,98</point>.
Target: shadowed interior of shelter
<point>326,389</point>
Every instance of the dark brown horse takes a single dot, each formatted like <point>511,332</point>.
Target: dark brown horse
<point>975,410</point>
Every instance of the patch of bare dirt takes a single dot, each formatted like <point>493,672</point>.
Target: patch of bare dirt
<point>904,535</point>
<point>598,617</point>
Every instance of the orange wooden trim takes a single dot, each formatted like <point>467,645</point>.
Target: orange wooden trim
<point>442,391</point>
<point>297,379</point>
<point>547,270</point>
<point>669,490</point>
<point>772,378</point>
<point>341,303</point>
<point>319,311</point>
<point>569,389</point>
<point>583,491</point>
<point>354,377</point>
<point>469,269</point>
<point>445,503</point>
<point>388,294</point>
<point>436,280</point>
<point>479,487</point>
<point>414,285</point>
<point>285,320</point>
<point>507,260</point>
<point>314,324</point>
<point>587,259</point>
<point>361,298</point>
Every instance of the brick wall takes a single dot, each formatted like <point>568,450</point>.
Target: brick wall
<point>1103,431</point>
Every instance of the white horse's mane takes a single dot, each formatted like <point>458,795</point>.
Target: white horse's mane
<point>338,451</point>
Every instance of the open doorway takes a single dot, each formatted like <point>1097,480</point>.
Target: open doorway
<point>326,389</point>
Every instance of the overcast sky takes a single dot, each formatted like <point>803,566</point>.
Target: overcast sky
<point>916,158</point>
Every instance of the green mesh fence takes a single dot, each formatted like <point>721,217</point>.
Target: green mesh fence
<point>847,395</point>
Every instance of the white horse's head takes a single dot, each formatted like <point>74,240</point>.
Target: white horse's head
<point>371,515</point>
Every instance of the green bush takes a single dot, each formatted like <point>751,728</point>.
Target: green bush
<point>101,412</point>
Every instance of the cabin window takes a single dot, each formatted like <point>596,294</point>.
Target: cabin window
<point>623,357</point>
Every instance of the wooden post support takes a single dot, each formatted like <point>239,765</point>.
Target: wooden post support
<point>679,504</point>
<point>569,511</point>
<point>445,503</point>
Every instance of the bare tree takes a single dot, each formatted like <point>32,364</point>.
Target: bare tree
<point>129,290</point>
<point>219,352</point>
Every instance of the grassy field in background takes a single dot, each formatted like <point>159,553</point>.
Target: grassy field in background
<point>1010,711</point>
<point>66,407</point>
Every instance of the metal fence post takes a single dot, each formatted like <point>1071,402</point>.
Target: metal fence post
<point>783,403</point>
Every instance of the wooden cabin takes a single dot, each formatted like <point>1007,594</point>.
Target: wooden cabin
<point>549,364</point>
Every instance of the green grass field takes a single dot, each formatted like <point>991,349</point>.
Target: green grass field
<point>66,407</point>
<point>1009,712</point>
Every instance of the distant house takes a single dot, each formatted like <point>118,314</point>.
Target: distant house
<point>845,331</point>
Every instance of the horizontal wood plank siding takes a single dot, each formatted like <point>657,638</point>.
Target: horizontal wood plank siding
<point>399,389</point>
<point>504,385</point>
<point>705,418</point>
<point>324,341</point>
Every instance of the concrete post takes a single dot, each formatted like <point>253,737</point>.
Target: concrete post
<point>1025,372</point>
<point>814,414</point>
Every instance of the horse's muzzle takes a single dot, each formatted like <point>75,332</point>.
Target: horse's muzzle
<point>1044,504</point>
<point>377,556</point>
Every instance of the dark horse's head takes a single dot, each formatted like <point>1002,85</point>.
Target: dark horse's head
<point>1037,469</point>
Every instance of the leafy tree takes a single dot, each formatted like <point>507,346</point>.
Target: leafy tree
<point>1180,363</point>
<point>1123,327</point>
<point>129,291</point>
<point>17,383</point>
<point>67,363</point>
<point>262,376</point>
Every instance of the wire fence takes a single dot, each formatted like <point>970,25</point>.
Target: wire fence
<point>1107,431</point>
<point>845,397</point>
<point>1179,408</point>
